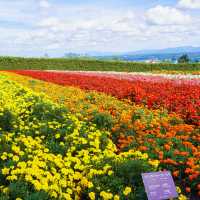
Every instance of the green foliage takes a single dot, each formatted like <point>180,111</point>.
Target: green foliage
<point>4,197</point>
<point>6,120</point>
<point>130,171</point>
<point>45,111</point>
<point>24,191</point>
<point>11,63</point>
<point>103,121</point>
<point>125,173</point>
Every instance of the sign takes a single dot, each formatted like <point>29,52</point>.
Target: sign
<point>159,185</point>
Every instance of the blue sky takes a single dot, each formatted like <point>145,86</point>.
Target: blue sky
<point>36,27</point>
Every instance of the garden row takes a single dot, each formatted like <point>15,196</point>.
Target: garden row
<point>179,96</point>
<point>165,137</point>
<point>89,65</point>
<point>48,153</point>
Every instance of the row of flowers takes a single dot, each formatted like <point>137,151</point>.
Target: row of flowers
<point>163,136</point>
<point>48,153</point>
<point>179,96</point>
<point>176,72</point>
<point>178,78</point>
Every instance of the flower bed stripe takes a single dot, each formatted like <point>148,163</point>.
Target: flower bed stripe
<point>162,136</point>
<point>175,96</point>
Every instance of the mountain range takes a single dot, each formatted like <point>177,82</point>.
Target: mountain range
<point>184,49</point>
<point>171,54</point>
<point>175,50</point>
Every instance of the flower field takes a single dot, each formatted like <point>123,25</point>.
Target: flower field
<point>90,136</point>
<point>46,152</point>
<point>179,96</point>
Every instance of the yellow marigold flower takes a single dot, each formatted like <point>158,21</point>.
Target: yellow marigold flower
<point>106,167</point>
<point>66,196</point>
<point>38,186</point>
<point>127,191</point>
<point>57,136</point>
<point>69,191</point>
<point>77,176</point>
<point>78,189</point>
<point>110,172</point>
<point>62,144</point>
<point>12,178</point>
<point>15,158</point>
<point>18,198</point>
<point>106,195</point>
<point>28,178</point>
<point>90,185</point>
<point>145,156</point>
<point>154,163</point>
<point>182,197</point>
<point>15,149</point>
<point>3,157</point>
<point>178,189</point>
<point>53,194</point>
<point>10,155</point>
<point>92,195</point>
<point>46,150</point>
<point>116,197</point>
<point>84,181</point>
<point>21,164</point>
<point>5,171</point>
<point>5,190</point>
<point>21,153</point>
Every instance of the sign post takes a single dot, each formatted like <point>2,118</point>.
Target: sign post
<point>159,185</point>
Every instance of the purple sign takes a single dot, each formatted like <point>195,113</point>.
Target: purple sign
<point>159,185</point>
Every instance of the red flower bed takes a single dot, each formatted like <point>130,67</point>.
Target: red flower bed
<point>176,96</point>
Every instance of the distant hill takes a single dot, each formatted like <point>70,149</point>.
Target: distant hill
<point>171,54</point>
<point>168,54</point>
<point>184,49</point>
<point>171,57</point>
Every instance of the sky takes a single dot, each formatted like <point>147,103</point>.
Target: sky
<point>35,27</point>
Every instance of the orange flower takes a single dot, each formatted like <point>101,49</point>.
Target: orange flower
<point>143,148</point>
<point>167,147</point>
<point>188,170</point>
<point>187,189</point>
<point>170,161</point>
<point>176,152</point>
<point>160,155</point>
<point>184,153</point>
<point>176,173</point>
<point>191,177</point>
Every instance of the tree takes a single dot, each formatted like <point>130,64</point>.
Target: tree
<point>184,59</point>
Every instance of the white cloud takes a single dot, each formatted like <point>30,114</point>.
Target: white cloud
<point>52,23</point>
<point>64,27</point>
<point>18,11</point>
<point>191,4</point>
<point>164,15</point>
<point>116,23</point>
<point>44,4</point>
